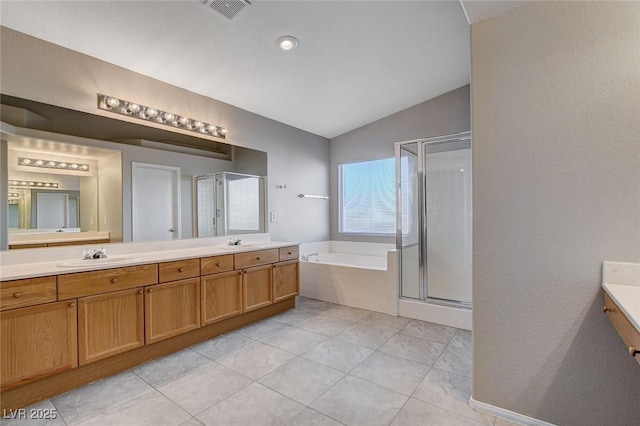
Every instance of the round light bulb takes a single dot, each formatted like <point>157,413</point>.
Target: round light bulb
<point>73,166</point>
<point>151,112</point>
<point>183,121</point>
<point>112,102</point>
<point>39,184</point>
<point>133,108</point>
<point>55,185</point>
<point>26,161</point>
<point>39,163</point>
<point>198,124</point>
<point>168,116</point>
<point>84,167</point>
<point>47,185</point>
<point>223,131</point>
<point>287,43</point>
<point>51,164</point>
<point>63,165</point>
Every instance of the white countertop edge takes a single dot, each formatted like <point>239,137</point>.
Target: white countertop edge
<point>16,271</point>
<point>624,303</point>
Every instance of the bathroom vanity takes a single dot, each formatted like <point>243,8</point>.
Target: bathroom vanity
<point>621,284</point>
<point>65,324</point>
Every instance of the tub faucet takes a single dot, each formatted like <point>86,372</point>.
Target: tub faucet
<point>306,257</point>
<point>234,242</point>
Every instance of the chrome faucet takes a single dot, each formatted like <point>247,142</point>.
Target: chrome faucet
<point>306,257</point>
<point>88,254</point>
<point>234,242</point>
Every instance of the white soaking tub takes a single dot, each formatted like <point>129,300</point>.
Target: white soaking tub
<point>362,275</point>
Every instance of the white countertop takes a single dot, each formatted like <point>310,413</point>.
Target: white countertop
<point>621,281</point>
<point>52,259</point>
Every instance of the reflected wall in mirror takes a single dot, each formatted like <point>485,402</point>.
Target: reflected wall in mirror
<point>229,204</point>
<point>109,147</point>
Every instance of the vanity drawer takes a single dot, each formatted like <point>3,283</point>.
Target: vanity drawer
<point>32,291</point>
<point>256,258</point>
<point>623,326</point>
<point>289,253</point>
<point>106,280</point>
<point>215,264</point>
<point>178,270</point>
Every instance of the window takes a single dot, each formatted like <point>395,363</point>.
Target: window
<point>367,197</point>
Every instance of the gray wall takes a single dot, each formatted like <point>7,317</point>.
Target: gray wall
<point>44,72</point>
<point>556,176</point>
<point>443,115</point>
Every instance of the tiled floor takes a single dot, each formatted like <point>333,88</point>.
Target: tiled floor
<point>318,364</point>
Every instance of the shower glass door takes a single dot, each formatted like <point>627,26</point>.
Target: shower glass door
<point>434,219</point>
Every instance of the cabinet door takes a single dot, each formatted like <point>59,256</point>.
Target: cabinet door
<point>37,342</point>
<point>221,296</point>
<point>110,324</point>
<point>257,287</point>
<point>171,309</point>
<point>285,280</point>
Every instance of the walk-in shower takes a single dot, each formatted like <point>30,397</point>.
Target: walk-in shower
<point>433,234</point>
<point>228,203</point>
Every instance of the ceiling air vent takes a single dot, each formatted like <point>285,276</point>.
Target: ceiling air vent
<point>228,8</point>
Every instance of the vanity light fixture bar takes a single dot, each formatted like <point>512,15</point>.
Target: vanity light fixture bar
<point>14,195</point>
<point>132,109</point>
<point>10,201</point>
<point>50,164</point>
<point>32,184</point>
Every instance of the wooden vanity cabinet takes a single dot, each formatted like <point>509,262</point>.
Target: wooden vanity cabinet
<point>27,292</point>
<point>37,342</point>
<point>171,309</point>
<point>221,296</point>
<point>109,324</point>
<point>257,287</point>
<point>285,280</point>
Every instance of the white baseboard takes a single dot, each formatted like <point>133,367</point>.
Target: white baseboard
<point>512,416</point>
<point>445,315</point>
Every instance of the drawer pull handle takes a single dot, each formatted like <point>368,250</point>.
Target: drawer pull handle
<point>17,295</point>
<point>218,264</point>
<point>114,280</point>
<point>606,309</point>
<point>150,290</point>
<point>633,351</point>
<point>258,258</point>
<point>289,253</point>
<point>72,305</point>
<point>180,269</point>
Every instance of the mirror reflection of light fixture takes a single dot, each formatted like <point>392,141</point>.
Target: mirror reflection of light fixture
<point>50,164</point>
<point>18,183</point>
<point>132,109</point>
<point>14,195</point>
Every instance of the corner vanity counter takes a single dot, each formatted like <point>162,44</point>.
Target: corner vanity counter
<point>67,321</point>
<point>621,283</point>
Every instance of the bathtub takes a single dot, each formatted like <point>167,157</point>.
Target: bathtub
<point>362,275</point>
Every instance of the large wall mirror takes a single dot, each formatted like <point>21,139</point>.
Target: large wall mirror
<point>72,172</point>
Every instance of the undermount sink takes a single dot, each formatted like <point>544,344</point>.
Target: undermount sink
<point>115,260</point>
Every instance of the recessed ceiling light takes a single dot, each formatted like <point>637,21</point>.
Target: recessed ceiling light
<point>287,42</point>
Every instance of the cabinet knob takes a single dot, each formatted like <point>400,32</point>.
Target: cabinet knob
<point>72,305</point>
<point>606,309</point>
<point>16,295</point>
<point>258,258</point>
<point>218,264</point>
<point>289,253</point>
<point>140,291</point>
<point>180,269</point>
<point>114,280</point>
<point>150,290</point>
<point>239,272</point>
<point>633,351</point>
<point>274,266</point>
